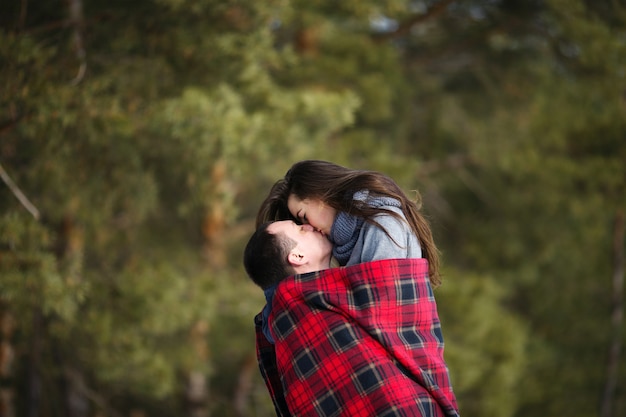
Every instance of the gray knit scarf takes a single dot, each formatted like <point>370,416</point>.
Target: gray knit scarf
<point>346,228</point>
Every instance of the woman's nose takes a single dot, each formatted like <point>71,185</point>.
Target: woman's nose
<point>308,227</point>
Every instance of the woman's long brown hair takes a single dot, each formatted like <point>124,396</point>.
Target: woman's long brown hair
<point>335,185</point>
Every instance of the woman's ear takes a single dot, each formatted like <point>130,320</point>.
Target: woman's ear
<point>296,258</point>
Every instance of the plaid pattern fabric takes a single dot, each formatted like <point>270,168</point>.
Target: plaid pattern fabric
<point>363,340</point>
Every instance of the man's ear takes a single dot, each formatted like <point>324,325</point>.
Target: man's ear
<point>296,258</point>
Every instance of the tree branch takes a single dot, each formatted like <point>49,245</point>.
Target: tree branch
<point>76,17</point>
<point>406,26</point>
<point>18,193</point>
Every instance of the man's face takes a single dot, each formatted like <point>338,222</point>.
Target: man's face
<point>314,247</point>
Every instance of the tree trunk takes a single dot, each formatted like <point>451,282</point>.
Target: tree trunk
<point>76,17</point>
<point>77,404</point>
<point>7,356</point>
<point>197,392</point>
<point>617,317</point>
<point>244,385</point>
<point>34,377</point>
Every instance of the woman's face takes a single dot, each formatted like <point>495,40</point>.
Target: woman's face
<point>312,211</point>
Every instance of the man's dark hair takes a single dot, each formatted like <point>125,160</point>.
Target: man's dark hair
<point>265,257</point>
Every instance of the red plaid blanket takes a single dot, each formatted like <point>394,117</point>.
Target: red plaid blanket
<point>363,340</point>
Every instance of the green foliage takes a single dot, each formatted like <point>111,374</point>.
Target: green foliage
<point>132,323</point>
<point>507,117</point>
<point>32,278</point>
<point>487,358</point>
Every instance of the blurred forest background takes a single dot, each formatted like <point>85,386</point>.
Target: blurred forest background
<point>138,138</point>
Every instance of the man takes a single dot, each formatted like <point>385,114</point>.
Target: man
<point>283,248</point>
<point>362,340</point>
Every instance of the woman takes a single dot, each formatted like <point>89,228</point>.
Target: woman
<point>333,342</point>
<point>364,214</point>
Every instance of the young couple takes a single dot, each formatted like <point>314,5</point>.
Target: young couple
<point>363,339</point>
